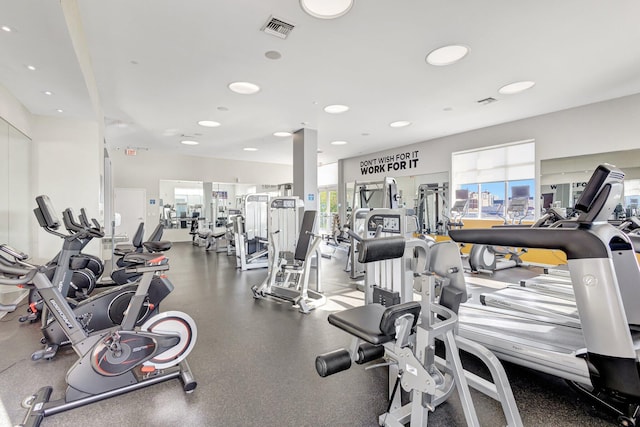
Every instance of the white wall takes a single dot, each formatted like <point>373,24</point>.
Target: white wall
<point>147,168</point>
<point>65,165</point>
<point>14,112</point>
<point>66,161</point>
<point>328,175</point>
<point>596,128</point>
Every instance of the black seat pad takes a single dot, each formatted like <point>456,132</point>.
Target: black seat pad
<point>363,322</point>
<point>136,258</point>
<point>374,323</point>
<point>160,246</point>
<point>123,249</point>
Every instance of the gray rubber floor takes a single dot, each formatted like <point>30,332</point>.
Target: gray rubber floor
<point>254,363</point>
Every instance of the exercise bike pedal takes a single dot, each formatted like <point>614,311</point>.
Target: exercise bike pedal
<point>31,317</point>
<point>46,353</point>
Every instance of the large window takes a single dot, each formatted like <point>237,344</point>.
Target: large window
<point>328,199</point>
<point>499,181</point>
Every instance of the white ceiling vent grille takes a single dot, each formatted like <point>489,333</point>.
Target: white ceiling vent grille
<point>277,27</point>
<point>487,101</point>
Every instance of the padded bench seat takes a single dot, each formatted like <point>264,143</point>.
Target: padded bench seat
<point>138,258</point>
<point>374,323</point>
<point>123,249</point>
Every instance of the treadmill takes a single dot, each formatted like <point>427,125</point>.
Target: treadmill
<point>600,354</point>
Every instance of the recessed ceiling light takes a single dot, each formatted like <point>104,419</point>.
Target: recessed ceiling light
<point>7,29</point>
<point>338,142</point>
<point>48,92</point>
<point>250,149</point>
<point>447,109</point>
<point>365,134</point>
<point>31,67</point>
<point>221,108</point>
<point>399,124</point>
<point>282,134</point>
<point>336,109</point>
<point>273,54</point>
<point>244,88</point>
<point>447,55</point>
<point>516,87</point>
<point>60,110</point>
<point>208,123</point>
<point>326,9</point>
<point>189,142</point>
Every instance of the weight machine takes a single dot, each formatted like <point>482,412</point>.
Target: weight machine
<point>366,196</point>
<point>251,233</point>
<point>432,208</point>
<point>290,256</point>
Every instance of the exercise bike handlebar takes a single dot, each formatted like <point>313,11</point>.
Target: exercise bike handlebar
<point>84,219</point>
<point>75,227</point>
<point>26,275</point>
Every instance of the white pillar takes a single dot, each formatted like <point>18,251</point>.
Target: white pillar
<point>305,167</point>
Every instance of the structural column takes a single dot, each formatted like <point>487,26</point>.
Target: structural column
<point>342,193</point>
<point>207,208</point>
<point>305,167</point>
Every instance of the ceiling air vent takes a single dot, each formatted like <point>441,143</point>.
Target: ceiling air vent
<point>277,27</point>
<point>486,101</point>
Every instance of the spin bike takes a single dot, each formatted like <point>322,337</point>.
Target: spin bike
<point>101,311</point>
<point>113,361</point>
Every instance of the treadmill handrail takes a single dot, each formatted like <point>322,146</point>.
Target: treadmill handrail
<point>576,243</point>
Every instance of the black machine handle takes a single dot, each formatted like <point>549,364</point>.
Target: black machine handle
<point>84,218</point>
<point>19,255</point>
<point>575,242</point>
<point>26,275</point>
<point>83,226</point>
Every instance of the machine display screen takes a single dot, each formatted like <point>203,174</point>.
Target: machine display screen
<point>258,198</point>
<point>389,223</point>
<point>283,203</point>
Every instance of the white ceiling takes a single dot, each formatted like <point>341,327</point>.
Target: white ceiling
<point>162,65</point>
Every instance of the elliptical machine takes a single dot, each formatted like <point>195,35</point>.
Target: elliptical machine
<point>116,360</point>
<point>101,311</point>
<point>491,258</point>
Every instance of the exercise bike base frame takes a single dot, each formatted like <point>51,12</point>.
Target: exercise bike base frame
<point>41,407</point>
